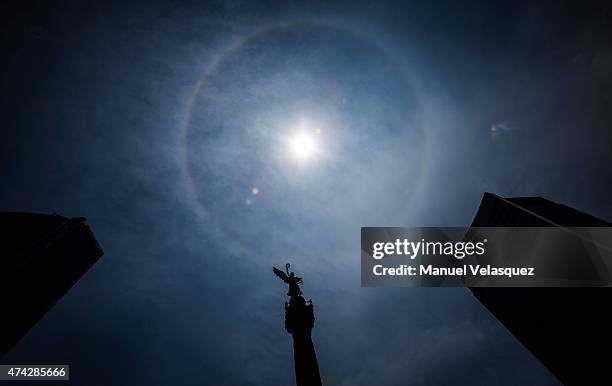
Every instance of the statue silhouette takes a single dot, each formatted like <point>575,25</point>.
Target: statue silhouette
<point>291,279</point>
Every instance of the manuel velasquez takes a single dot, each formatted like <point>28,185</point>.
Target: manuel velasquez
<point>476,270</point>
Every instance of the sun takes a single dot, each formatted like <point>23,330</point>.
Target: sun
<point>302,146</point>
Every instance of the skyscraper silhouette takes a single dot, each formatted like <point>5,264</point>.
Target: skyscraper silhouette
<point>42,257</point>
<point>567,329</point>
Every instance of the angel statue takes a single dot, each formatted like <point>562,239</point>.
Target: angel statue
<point>291,279</point>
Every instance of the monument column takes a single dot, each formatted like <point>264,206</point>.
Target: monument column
<point>299,321</point>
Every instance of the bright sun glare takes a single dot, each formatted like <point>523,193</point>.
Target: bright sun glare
<point>302,146</point>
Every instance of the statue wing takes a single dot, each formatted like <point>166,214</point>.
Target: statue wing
<point>281,274</point>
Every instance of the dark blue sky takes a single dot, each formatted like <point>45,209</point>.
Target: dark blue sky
<point>155,120</point>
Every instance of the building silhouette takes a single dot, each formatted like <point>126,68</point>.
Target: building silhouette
<point>568,329</point>
<point>42,258</point>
